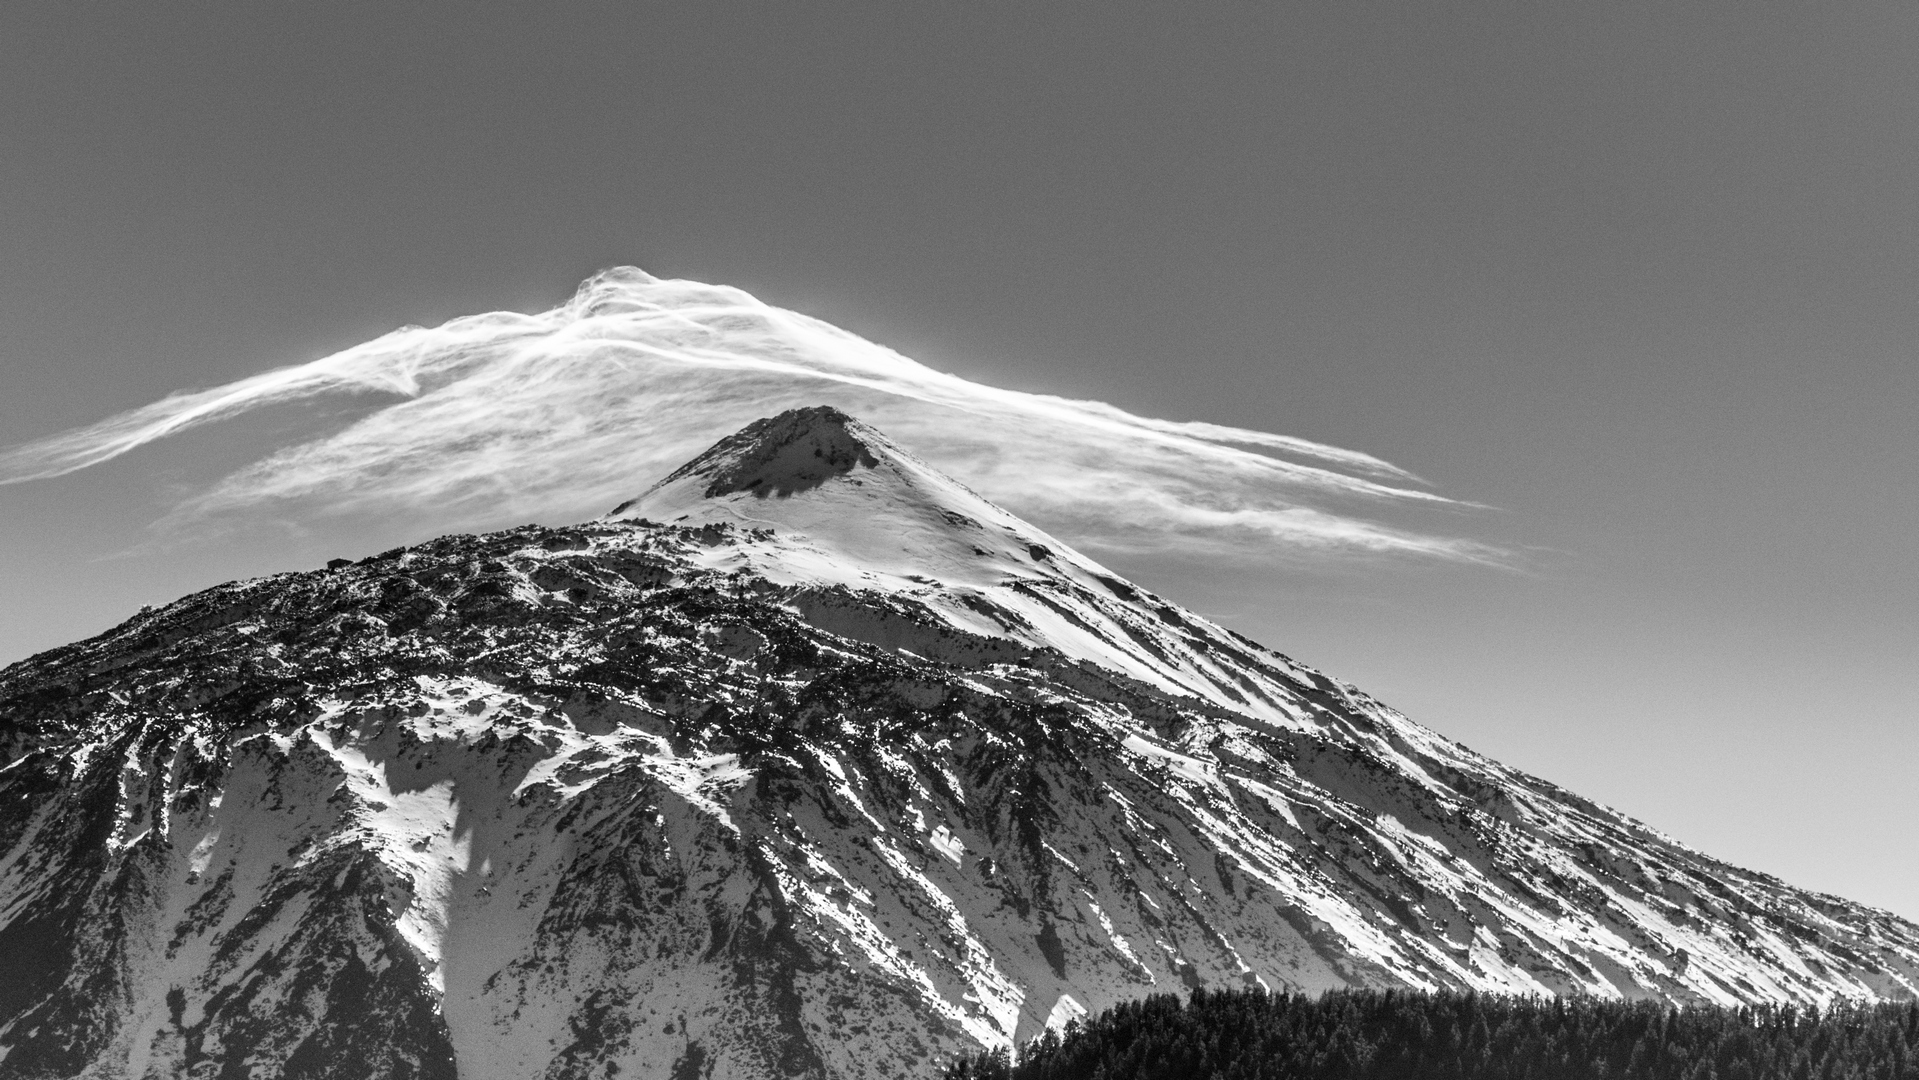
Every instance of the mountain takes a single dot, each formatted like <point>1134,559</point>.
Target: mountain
<point>807,761</point>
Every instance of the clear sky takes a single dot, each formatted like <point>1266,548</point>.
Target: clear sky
<point>1641,277</point>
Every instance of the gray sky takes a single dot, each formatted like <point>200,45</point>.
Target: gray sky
<point>1642,277</point>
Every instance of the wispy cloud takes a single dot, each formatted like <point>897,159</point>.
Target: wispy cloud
<point>501,418</point>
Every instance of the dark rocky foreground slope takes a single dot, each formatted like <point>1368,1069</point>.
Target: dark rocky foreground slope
<point>837,772</point>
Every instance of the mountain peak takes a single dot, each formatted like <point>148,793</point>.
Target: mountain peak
<point>816,498</point>
<point>779,455</point>
<point>836,486</point>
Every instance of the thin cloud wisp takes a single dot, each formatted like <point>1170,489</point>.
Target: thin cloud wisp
<point>502,418</point>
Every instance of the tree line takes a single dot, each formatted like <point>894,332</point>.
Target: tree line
<point>1404,1035</point>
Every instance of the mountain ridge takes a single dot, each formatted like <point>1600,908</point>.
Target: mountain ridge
<point>821,782</point>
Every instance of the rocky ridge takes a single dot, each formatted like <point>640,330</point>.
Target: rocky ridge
<point>806,762</point>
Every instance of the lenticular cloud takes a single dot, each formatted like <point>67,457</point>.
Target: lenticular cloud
<point>503,418</point>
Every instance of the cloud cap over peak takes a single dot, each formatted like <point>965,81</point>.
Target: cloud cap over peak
<point>505,417</point>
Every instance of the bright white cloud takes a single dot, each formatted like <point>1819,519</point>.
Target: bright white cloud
<point>503,418</point>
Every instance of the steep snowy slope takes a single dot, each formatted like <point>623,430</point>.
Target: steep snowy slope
<point>806,762</point>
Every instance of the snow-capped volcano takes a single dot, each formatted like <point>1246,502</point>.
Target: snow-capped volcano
<point>825,500</point>
<point>808,761</point>
<point>863,503</point>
